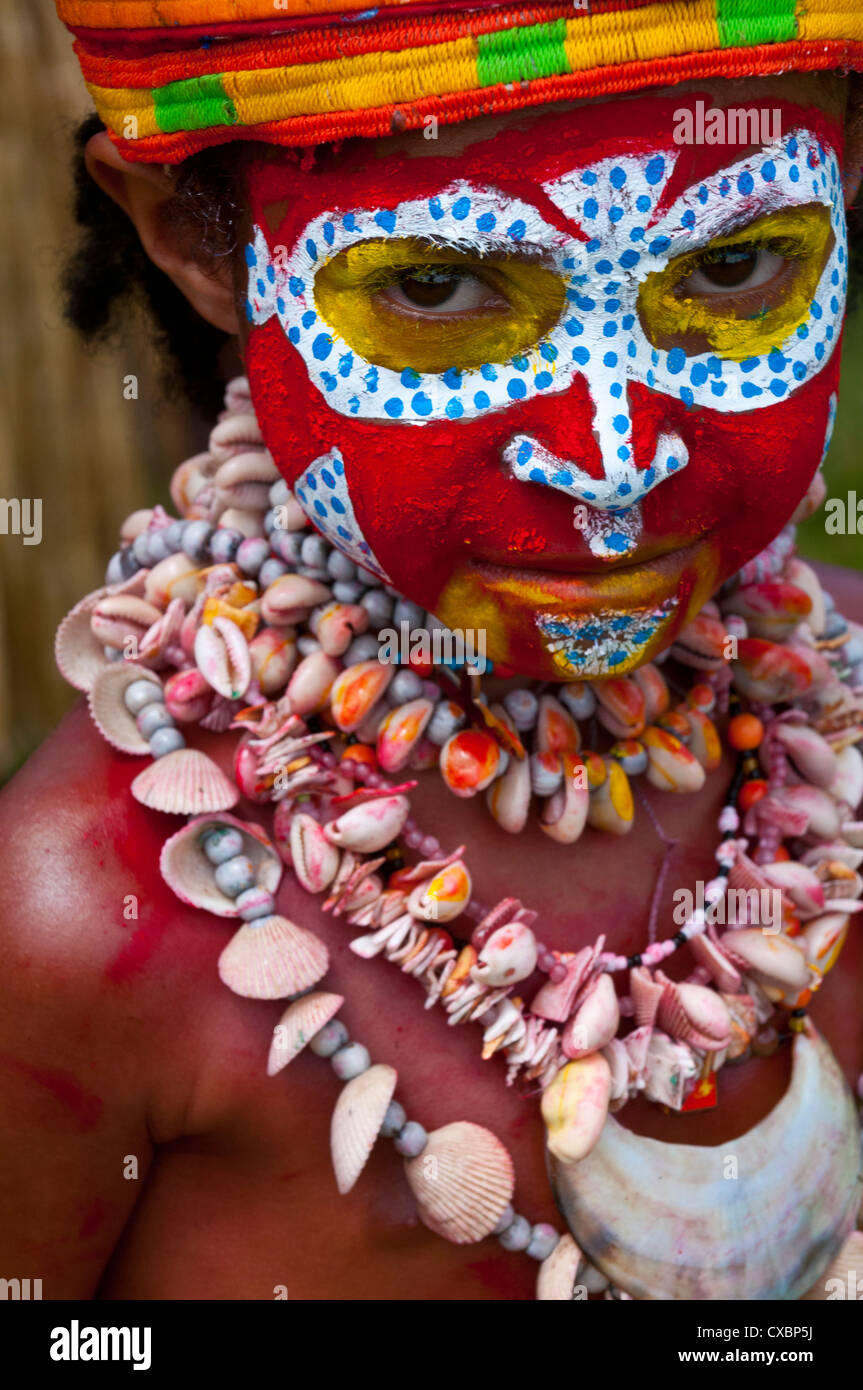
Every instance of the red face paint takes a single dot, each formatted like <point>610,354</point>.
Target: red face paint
<point>447,520</point>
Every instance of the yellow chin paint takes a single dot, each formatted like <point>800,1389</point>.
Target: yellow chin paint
<point>802,236</point>
<point>349,294</point>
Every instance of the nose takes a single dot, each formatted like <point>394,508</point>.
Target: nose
<point>602,472</point>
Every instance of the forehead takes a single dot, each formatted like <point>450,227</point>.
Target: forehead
<point>521,153</point>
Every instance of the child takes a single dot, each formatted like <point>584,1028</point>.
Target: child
<point>540,313</point>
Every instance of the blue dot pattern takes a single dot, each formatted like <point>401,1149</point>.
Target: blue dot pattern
<point>322,492</point>
<point>615,203</point>
<point>605,643</point>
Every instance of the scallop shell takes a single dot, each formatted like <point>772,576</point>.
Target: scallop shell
<point>114,722</point>
<point>463,1182</point>
<point>357,1118</point>
<point>694,1014</point>
<point>660,1222</point>
<point>646,994</point>
<point>185,783</point>
<point>188,871</point>
<point>272,958</point>
<point>558,1272</point>
<point>298,1025</point>
<point>79,656</point>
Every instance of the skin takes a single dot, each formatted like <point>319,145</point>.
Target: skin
<point>117,1038</point>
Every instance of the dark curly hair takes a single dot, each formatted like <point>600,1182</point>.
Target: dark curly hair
<point>109,267</point>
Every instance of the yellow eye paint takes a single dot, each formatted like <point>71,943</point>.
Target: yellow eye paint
<point>348,296</point>
<point>667,313</point>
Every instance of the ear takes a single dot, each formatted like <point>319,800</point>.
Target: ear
<point>143,192</point>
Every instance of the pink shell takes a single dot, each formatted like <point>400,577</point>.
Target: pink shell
<point>564,814</point>
<point>222,657</point>
<point>400,732</point>
<point>185,783</point>
<point>298,1025</point>
<point>189,873</point>
<point>465,1191</point>
<point>272,958</point>
<point>694,1014</point>
<point>311,683</point>
<point>236,434</point>
<point>291,598</point>
<point>509,797</point>
<point>621,706</point>
<point>357,1118</point>
<point>337,625</point>
<point>646,994</point>
<point>79,655</point>
<point>188,696</point>
<point>556,730</point>
<point>118,617</point>
<point>701,643</point>
<point>554,1001</point>
<point>653,687</point>
<point>107,710</point>
<point>723,974</point>
<point>356,692</point>
<point>595,1021</point>
<point>315,860</point>
<point>369,827</point>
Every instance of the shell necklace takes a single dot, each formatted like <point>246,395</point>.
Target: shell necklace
<point>237,616</point>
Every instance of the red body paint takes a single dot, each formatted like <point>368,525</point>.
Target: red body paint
<point>83,1106</point>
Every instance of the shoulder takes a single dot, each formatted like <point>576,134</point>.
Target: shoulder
<point>97,950</point>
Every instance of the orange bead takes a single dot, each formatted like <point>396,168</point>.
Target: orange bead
<point>360,753</point>
<point>782,855</point>
<point>751,792</point>
<point>745,731</point>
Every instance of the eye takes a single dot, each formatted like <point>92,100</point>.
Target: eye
<point>733,268</point>
<point>413,303</point>
<point>435,292</point>
<point>745,293</point>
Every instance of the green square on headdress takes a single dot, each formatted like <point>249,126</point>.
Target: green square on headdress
<point>195,103</point>
<point>744,23</point>
<point>521,54</point>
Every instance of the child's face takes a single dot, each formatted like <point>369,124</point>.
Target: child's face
<point>562,383</point>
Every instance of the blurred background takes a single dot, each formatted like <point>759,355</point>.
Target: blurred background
<point>70,437</point>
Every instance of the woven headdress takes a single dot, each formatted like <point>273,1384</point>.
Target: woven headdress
<point>169,77</point>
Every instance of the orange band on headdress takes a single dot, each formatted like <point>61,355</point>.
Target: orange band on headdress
<point>170,77</point>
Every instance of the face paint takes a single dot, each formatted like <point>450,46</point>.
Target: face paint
<point>596,363</point>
